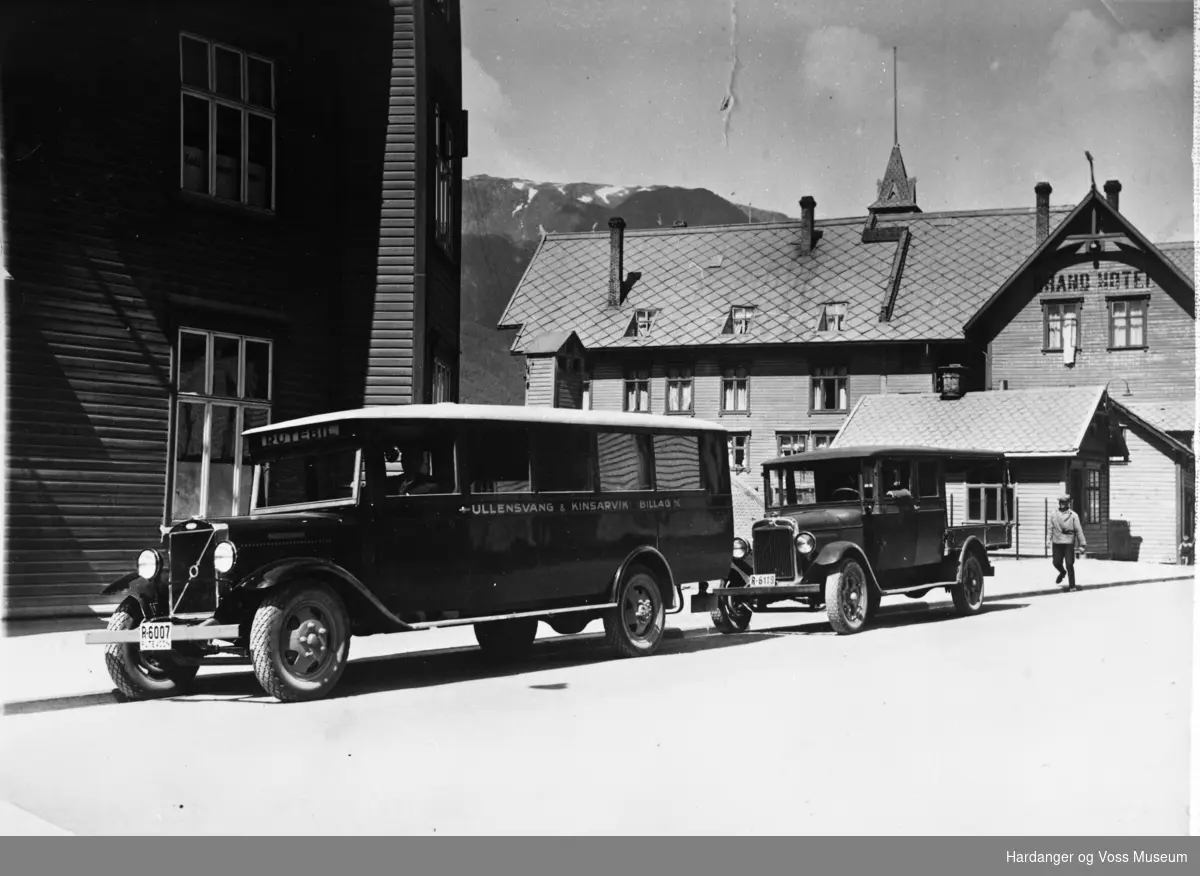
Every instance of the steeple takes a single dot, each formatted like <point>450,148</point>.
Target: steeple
<point>897,191</point>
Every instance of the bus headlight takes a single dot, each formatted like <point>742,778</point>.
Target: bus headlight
<point>740,548</point>
<point>148,564</point>
<point>805,543</point>
<point>224,556</point>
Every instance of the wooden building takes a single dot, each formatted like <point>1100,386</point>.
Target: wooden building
<point>212,221</point>
<point>780,330</point>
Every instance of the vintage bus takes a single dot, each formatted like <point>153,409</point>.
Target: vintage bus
<point>402,518</point>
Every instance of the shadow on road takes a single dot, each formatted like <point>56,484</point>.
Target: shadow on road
<point>890,617</point>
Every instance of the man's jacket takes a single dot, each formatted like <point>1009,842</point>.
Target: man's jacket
<point>1066,528</point>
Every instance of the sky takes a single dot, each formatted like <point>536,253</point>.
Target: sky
<point>994,96</point>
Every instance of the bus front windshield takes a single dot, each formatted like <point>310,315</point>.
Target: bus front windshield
<point>832,481</point>
<point>313,477</point>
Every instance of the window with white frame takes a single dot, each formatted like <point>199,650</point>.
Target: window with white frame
<point>679,390</point>
<point>444,220</point>
<point>227,123</point>
<point>833,316</point>
<point>740,320</point>
<point>1092,496</point>
<point>822,439</point>
<point>829,388</point>
<point>1060,324</point>
<point>791,443</point>
<point>739,452</point>
<point>637,390</point>
<point>735,390</point>
<point>1127,322</point>
<point>642,322</point>
<point>443,382</point>
<point>224,388</point>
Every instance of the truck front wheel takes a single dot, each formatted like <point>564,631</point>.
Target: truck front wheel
<point>848,598</point>
<point>140,676</point>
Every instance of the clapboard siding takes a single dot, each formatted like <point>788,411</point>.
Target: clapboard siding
<point>1152,373</point>
<point>1144,503</point>
<point>1037,486</point>
<point>539,391</point>
<point>109,259</point>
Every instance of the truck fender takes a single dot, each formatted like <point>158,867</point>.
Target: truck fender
<point>652,557</point>
<point>280,572</point>
<point>834,552</point>
<point>145,592</point>
<point>973,545</point>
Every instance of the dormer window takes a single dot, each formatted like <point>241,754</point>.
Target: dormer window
<point>740,319</point>
<point>639,326</point>
<point>833,316</point>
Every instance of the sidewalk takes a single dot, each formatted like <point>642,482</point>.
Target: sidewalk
<point>45,661</point>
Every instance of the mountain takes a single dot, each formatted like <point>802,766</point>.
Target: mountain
<point>503,222</point>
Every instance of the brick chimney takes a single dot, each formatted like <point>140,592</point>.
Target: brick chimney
<point>808,206</point>
<point>1112,192</point>
<point>1042,190</point>
<point>616,259</point>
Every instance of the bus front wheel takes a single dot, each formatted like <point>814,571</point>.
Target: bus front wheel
<point>635,626</point>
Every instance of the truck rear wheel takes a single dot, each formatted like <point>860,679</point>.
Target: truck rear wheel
<point>848,599</point>
<point>635,626</point>
<point>968,595</point>
<point>140,676</point>
<point>300,642</point>
<point>507,639</point>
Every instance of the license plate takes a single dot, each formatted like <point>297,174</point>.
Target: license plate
<point>762,580</point>
<point>156,636</point>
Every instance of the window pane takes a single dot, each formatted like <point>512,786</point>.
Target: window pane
<point>258,81</point>
<point>624,461</point>
<point>677,462</point>
<point>225,367</point>
<point>195,62</point>
<point>993,503</point>
<point>229,73</point>
<point>221,460</point>
<point>562,460</point>
<point>687,396</point>
<point>195,144</point>
<point>258,370</point>
<point>742,400</point>
<point>189,457</point>
<point>260,162</point>
<point>252,418</point>
<point>895,476</point>
<point>499,461</point>
<point>843,399</point>
<point>974,504</point>
<point>712,452</point>
<point>643,403</point>
<point>229,153</point>
<point>1137,325</point>
<point>316,477</point>
<point>193,362</point>
<point>927,475</point>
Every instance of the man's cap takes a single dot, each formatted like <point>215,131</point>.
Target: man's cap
<point>1064,498</point>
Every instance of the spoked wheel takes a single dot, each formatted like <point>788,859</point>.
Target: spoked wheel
<point>848,599</point>
<point>732,615</point>
<point>968,595</point>
<point>635,626</point>
<point>142,676</point>
<point>300,642</point>
<point>506,639</point>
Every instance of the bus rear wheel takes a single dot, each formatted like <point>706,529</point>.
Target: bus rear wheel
<point>635,626</point>
<point>968,595</point>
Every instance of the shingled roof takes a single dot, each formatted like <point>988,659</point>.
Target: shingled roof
<point>1026,422</point>
<point>948,265</point>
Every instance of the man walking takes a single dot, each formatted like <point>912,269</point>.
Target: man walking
<point>1066,539</point>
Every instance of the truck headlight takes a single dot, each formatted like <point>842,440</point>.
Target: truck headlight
<point>148,564</point>
<point>740,548</point>
<point>805,543</point>
<point>224,556</point>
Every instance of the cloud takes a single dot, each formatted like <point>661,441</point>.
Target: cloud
<point>853,70</point>
<point>1089,49</point>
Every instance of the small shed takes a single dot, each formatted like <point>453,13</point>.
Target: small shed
<point>554,370</point>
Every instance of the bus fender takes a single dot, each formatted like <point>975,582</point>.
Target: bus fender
<point>973,546</point>
<point>834,552</point>
<point>652,558</point>
<point>358,598</point>
<point>145,592</point>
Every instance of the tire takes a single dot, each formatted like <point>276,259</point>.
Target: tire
<point>848,598</point>
<point>731,614</point>
<point>142,677</point>
<point>634,628</point>
<point>569,624</point>
<point>968,593</point>
<point>507,639</point>
<point>284,668</point>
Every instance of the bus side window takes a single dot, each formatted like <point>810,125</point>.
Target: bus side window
<point>714,464</point>
<point>562,459</point>
<point>499,460</point>
<point>625,460</point>
<point>677,462</point>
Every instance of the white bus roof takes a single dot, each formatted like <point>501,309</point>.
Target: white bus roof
<point>450,411</point>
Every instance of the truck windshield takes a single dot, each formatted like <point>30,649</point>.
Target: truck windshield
<point>317,477</point>
<point>835,481</point>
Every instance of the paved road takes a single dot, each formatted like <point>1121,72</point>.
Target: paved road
<point>1048,715</point>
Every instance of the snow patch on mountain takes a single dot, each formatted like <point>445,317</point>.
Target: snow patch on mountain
<point>587,199</point>
<point>608,191</point>
<point>519,184</point>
